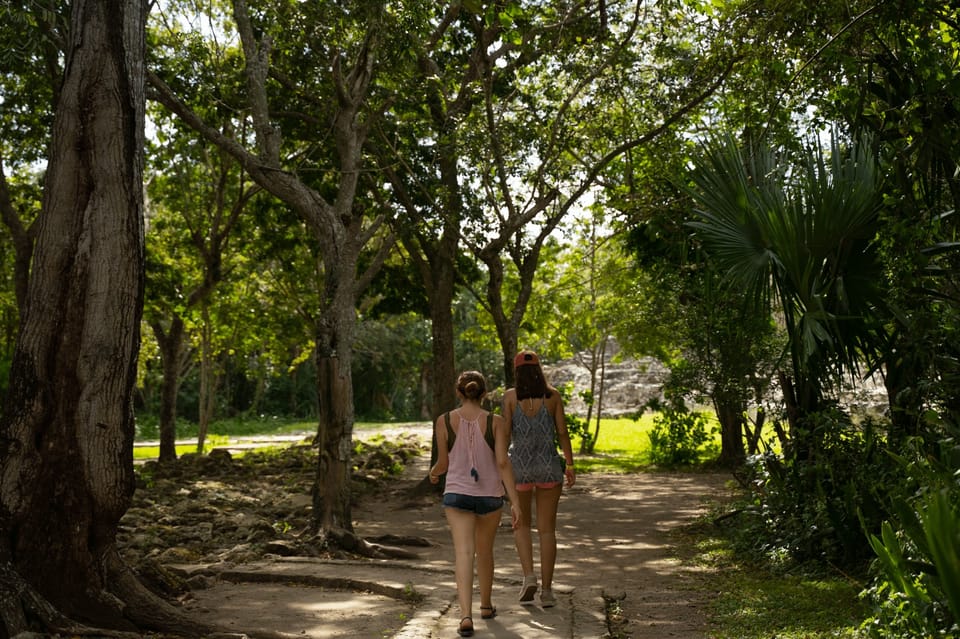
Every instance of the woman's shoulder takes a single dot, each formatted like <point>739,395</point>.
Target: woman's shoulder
<point>553,397</point>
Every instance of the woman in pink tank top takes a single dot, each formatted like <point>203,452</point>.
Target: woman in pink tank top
<point>472,451</point>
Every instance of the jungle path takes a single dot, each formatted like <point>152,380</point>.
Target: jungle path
<point>616,540</point>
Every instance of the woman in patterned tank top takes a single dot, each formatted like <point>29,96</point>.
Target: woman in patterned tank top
<point>533,412</point>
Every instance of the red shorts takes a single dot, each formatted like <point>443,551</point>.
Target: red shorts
<point>540,484</point>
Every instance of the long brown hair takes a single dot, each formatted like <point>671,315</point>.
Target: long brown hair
<point>531,382</point>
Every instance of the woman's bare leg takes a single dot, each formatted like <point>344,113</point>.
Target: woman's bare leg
<point>522,536</point>
<point>548,500</point>
<point>462,526</point>
<point>486,533</point>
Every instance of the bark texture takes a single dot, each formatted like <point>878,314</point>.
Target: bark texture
<point>66,435</point>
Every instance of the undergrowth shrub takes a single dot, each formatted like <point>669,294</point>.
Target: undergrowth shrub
<point>816,508</point>
<point>577,427</point>
<point>916,588</point>
<point>679,435</point>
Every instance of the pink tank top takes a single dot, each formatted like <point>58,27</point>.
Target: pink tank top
<point>473,466</point>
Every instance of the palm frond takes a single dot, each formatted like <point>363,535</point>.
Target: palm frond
<point>804,230</point>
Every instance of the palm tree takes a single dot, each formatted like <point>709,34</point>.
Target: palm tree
<point>798,239</point>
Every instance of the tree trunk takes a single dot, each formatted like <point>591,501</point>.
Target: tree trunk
<point>170,343</point>
<point>444,368</point>
<point>754,435</point>
<point>507,329</point>
<point>66,435</point>
<point>903,395</point>
<point>341,228</point>
<point>22,238</point>
<point>731,417</point>
<point>443,374</point>
<point>331,491</point>
<point>436,263</point>
<point>208,382</point>
<point>591,443</point>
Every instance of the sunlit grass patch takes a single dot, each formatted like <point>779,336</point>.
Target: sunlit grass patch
<point>751,605</point>
<point>753,601</point>
<point>623,435</point>
<point>152,452</point>
<point>619,463</point>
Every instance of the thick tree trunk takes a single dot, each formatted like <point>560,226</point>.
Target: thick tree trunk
<point>22,238</point>
<point>341,228</point>
<point>209,381</point>
<point>903,395</point>
<point>444,371</point>
<point>443,375</point>
<point>507,330</point>
<point>589,446</point>
<point>66,436</point>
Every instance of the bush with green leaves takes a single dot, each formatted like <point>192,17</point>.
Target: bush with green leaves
<point>816,506</point>
<point>679,435</point>
<point>577,427</point>
<point>916,591</point>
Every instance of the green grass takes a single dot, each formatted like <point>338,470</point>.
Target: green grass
<point>148,429</point>
<point>219,432</point>
<point>622,446</point>
<point>754,606</point>
<point>624,435</point>
<point>152,452</point>
<point>754,602</point>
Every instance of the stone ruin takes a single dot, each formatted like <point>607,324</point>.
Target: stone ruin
<point>628,384</point>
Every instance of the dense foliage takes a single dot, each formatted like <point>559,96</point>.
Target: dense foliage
<point>762,195</point>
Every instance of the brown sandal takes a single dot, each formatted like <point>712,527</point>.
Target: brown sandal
<point>465,632</point>
<point>488,612</point>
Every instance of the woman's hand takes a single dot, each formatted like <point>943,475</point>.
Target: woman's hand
<point>570,475</point>
<point>434,478</point>
<point>514,515</point>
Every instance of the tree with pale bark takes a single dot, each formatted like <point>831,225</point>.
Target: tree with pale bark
<point>317,177</point>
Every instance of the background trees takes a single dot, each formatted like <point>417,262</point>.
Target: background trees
<point>345,192</point>
<point>324,194</point>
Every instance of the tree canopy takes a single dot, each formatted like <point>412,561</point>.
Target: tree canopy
<point>344,203</point>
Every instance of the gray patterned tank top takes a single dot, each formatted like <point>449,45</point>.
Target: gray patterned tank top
<point>533,449</point>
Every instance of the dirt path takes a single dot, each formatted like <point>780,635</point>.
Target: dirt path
<point>615,540</point>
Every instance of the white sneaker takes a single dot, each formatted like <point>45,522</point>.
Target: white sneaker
<point>528,590</point>
<point>547,600</point>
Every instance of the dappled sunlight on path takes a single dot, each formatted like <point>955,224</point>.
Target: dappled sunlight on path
<point>615,532</point>
<point>614,536</point>
<point>616,539</point>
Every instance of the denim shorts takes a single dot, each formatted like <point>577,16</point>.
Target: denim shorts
<point>470,503</point>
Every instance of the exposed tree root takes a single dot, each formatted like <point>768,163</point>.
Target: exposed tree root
<point>423,488</point>
<point>25,612</point>
<point>351,542</point>
<point>616,621</point>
